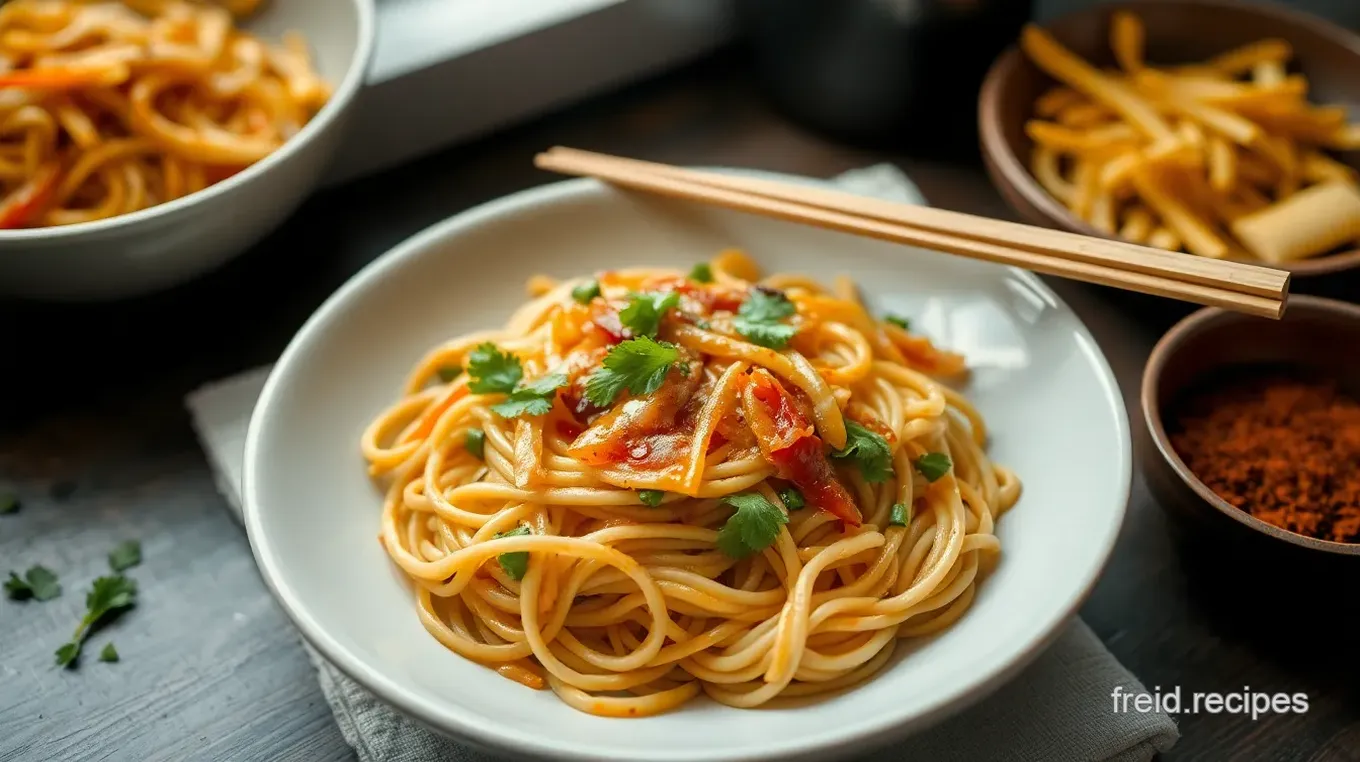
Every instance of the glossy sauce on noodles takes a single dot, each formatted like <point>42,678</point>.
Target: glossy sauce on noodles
<point>649,485</point>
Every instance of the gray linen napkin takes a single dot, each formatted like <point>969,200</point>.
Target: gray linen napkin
<point>1057,710</point>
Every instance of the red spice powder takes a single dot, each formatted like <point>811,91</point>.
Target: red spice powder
<point>1282,447</point>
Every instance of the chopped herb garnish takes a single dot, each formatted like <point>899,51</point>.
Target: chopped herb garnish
<point>900,516</point>
<point>585,292</point>
<point>475,442</point>
<point>125,556</point>
<point>792,498</point>
<point>9,503</point>
<point>492,370</point>
<point>643,314</point>
<point>753,528</point>
<point>703,324</point>
<point>108,597</point>
<point>17,588</point>
<point>108,653</point>
<point>869,450</point>
<point>758,318</point>
<point>533,398</point>
<point>38,583</point>
<point>702,273</point>
<point>652,497</point>
<point>66,655</point>
<point>638,365</point>
<point>898,321</point>
<point>933,465</point>
<point>515,563</point>
<point>450,372</point>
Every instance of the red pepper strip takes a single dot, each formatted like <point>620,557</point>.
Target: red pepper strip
<point>30,199</point>
<point>787,440</point>
<point>606,319</point>
<point>806,465</point>
<point>780,424</point>
<point>568,430</point>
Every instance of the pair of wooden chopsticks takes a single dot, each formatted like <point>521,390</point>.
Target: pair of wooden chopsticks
<point>1236,286</point>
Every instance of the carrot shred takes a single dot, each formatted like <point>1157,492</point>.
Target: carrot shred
<point>60,79</point>
<point>29,200</point>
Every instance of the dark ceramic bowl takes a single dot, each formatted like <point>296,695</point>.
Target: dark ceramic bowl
<point>866,71</point>
<point>1178,31</point>
<point>1316,336</point>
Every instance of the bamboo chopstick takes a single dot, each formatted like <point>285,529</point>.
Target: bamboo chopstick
<point>1232,285</point>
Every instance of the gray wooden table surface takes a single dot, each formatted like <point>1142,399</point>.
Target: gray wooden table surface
<point>95,440</point>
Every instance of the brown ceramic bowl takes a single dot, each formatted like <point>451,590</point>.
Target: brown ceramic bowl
<point>1178,31</point>
<point>1317,336</point>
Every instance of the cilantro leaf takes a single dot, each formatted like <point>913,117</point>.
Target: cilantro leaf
<point>38,583</point>
<point>702,273</point>
<point>792,498</point>
<point>900,515</point>
<point>869,450</point>
<point>643,314</point>
<point>933,465</point>
<point>9,503</point>
<point>125,556</point>
<point>475,442</point>
<point>638,365</point>
<point>66,655</point>
<point>43,583</point>
<point>109,594</point>
<point>516,563</point>
<point>772,335</point>
<point>449,372</point>
<point>898,321</point>
<point>753,528</point>
<point>651,497</point>
<point>758,318</point>
<point>533,398</point>
<point>109,653</point>
<point>766,305</point>
<point>584,293</point>
<point>493,370</point>
<point>17,589</point>
<point>108,597</point>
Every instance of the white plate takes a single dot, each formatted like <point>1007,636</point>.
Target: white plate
<point>1051,401</point>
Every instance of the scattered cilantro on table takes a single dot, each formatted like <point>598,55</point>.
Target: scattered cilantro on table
<point>38,583</point>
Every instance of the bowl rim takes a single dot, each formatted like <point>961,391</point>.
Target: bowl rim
<point>865,736</point>
<point>1167,348</point>
<point>341,97</point>
<point>1012,171</point>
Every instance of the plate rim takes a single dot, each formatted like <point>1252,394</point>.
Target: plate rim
<point>448,720</point>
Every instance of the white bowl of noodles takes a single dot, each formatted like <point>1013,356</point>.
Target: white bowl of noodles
<point>374,571</point>
<point>174,142</point>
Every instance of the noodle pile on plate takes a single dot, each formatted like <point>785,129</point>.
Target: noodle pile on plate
<point>111,107</point>
<point>653,484</point>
